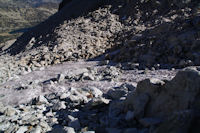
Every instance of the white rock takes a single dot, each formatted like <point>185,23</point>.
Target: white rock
<point>38,129</point>
<point>96,92</point>
<point>60,77</point>
<point>73,122</point>
<point>89,132</point>
<point>64,95</point>
<point>69,130</point>
<point>4,126</point>
<point>9,111</point>
<point>87,76</point>
<point>59,106</point>
<point>22,129</point>
<point>42,100</point>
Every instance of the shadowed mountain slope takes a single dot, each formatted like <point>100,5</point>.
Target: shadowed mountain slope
<point>150,33</point>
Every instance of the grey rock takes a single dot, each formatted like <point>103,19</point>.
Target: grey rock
<point>22,129</point>
<point>64,96</point>
<point>49,114</point>
<point>73,122</point>
<point>161,99</point>
<point>87,76</point>
<point>45,126</point>
<point>97,101</point>
<point>41,100</point>
<point>2,108</point>
<point>95,92</point>
<point>12,128</point>
<point>61,129</point>
<point>116,93</point>
<point>9,111</point>
<point>104,62</point>
<point>128,86</point>
<point>69,130</point>
<point>58,106</point>
<point>78,99</point>
<point>38,129</point>
<point>89,132</point>
<point>4,126</point>
<point>60,77</point>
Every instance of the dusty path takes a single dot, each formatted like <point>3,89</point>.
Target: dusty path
<point>23,88</point>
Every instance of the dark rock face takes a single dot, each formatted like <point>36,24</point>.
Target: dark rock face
<point>63,3</point>
<point>175,101</point>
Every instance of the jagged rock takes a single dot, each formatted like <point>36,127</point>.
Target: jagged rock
<point>97,102</point>
<point>104,62</point>
<point>162,99</point>
<point>127,86</point>
<point>64,96</point>
<point>78,95</point>
<point>59,105</point>
<point>117,93</point>
<point>4,126</point>
<point>60,77</point>
<point>9,111</point>
<point>69,130</point>
<point>2,108</point>
<point>73,122</point>
<point>87,76</point>
<point>95,92</point>
<point>22,129</point>
<point>61,129</point>
<point>40,100</point>
<point>38,129</point>
<point>45,126</point>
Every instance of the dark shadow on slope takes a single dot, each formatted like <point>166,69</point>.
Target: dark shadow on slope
<point>86,115</point>
<point>158,42</point>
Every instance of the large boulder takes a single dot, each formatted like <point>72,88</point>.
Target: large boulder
<point>175,102</point>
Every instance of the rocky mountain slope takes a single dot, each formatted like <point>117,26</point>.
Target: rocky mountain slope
<point>17,15</point>
<point>150,33</point>
<point>105,66</point>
